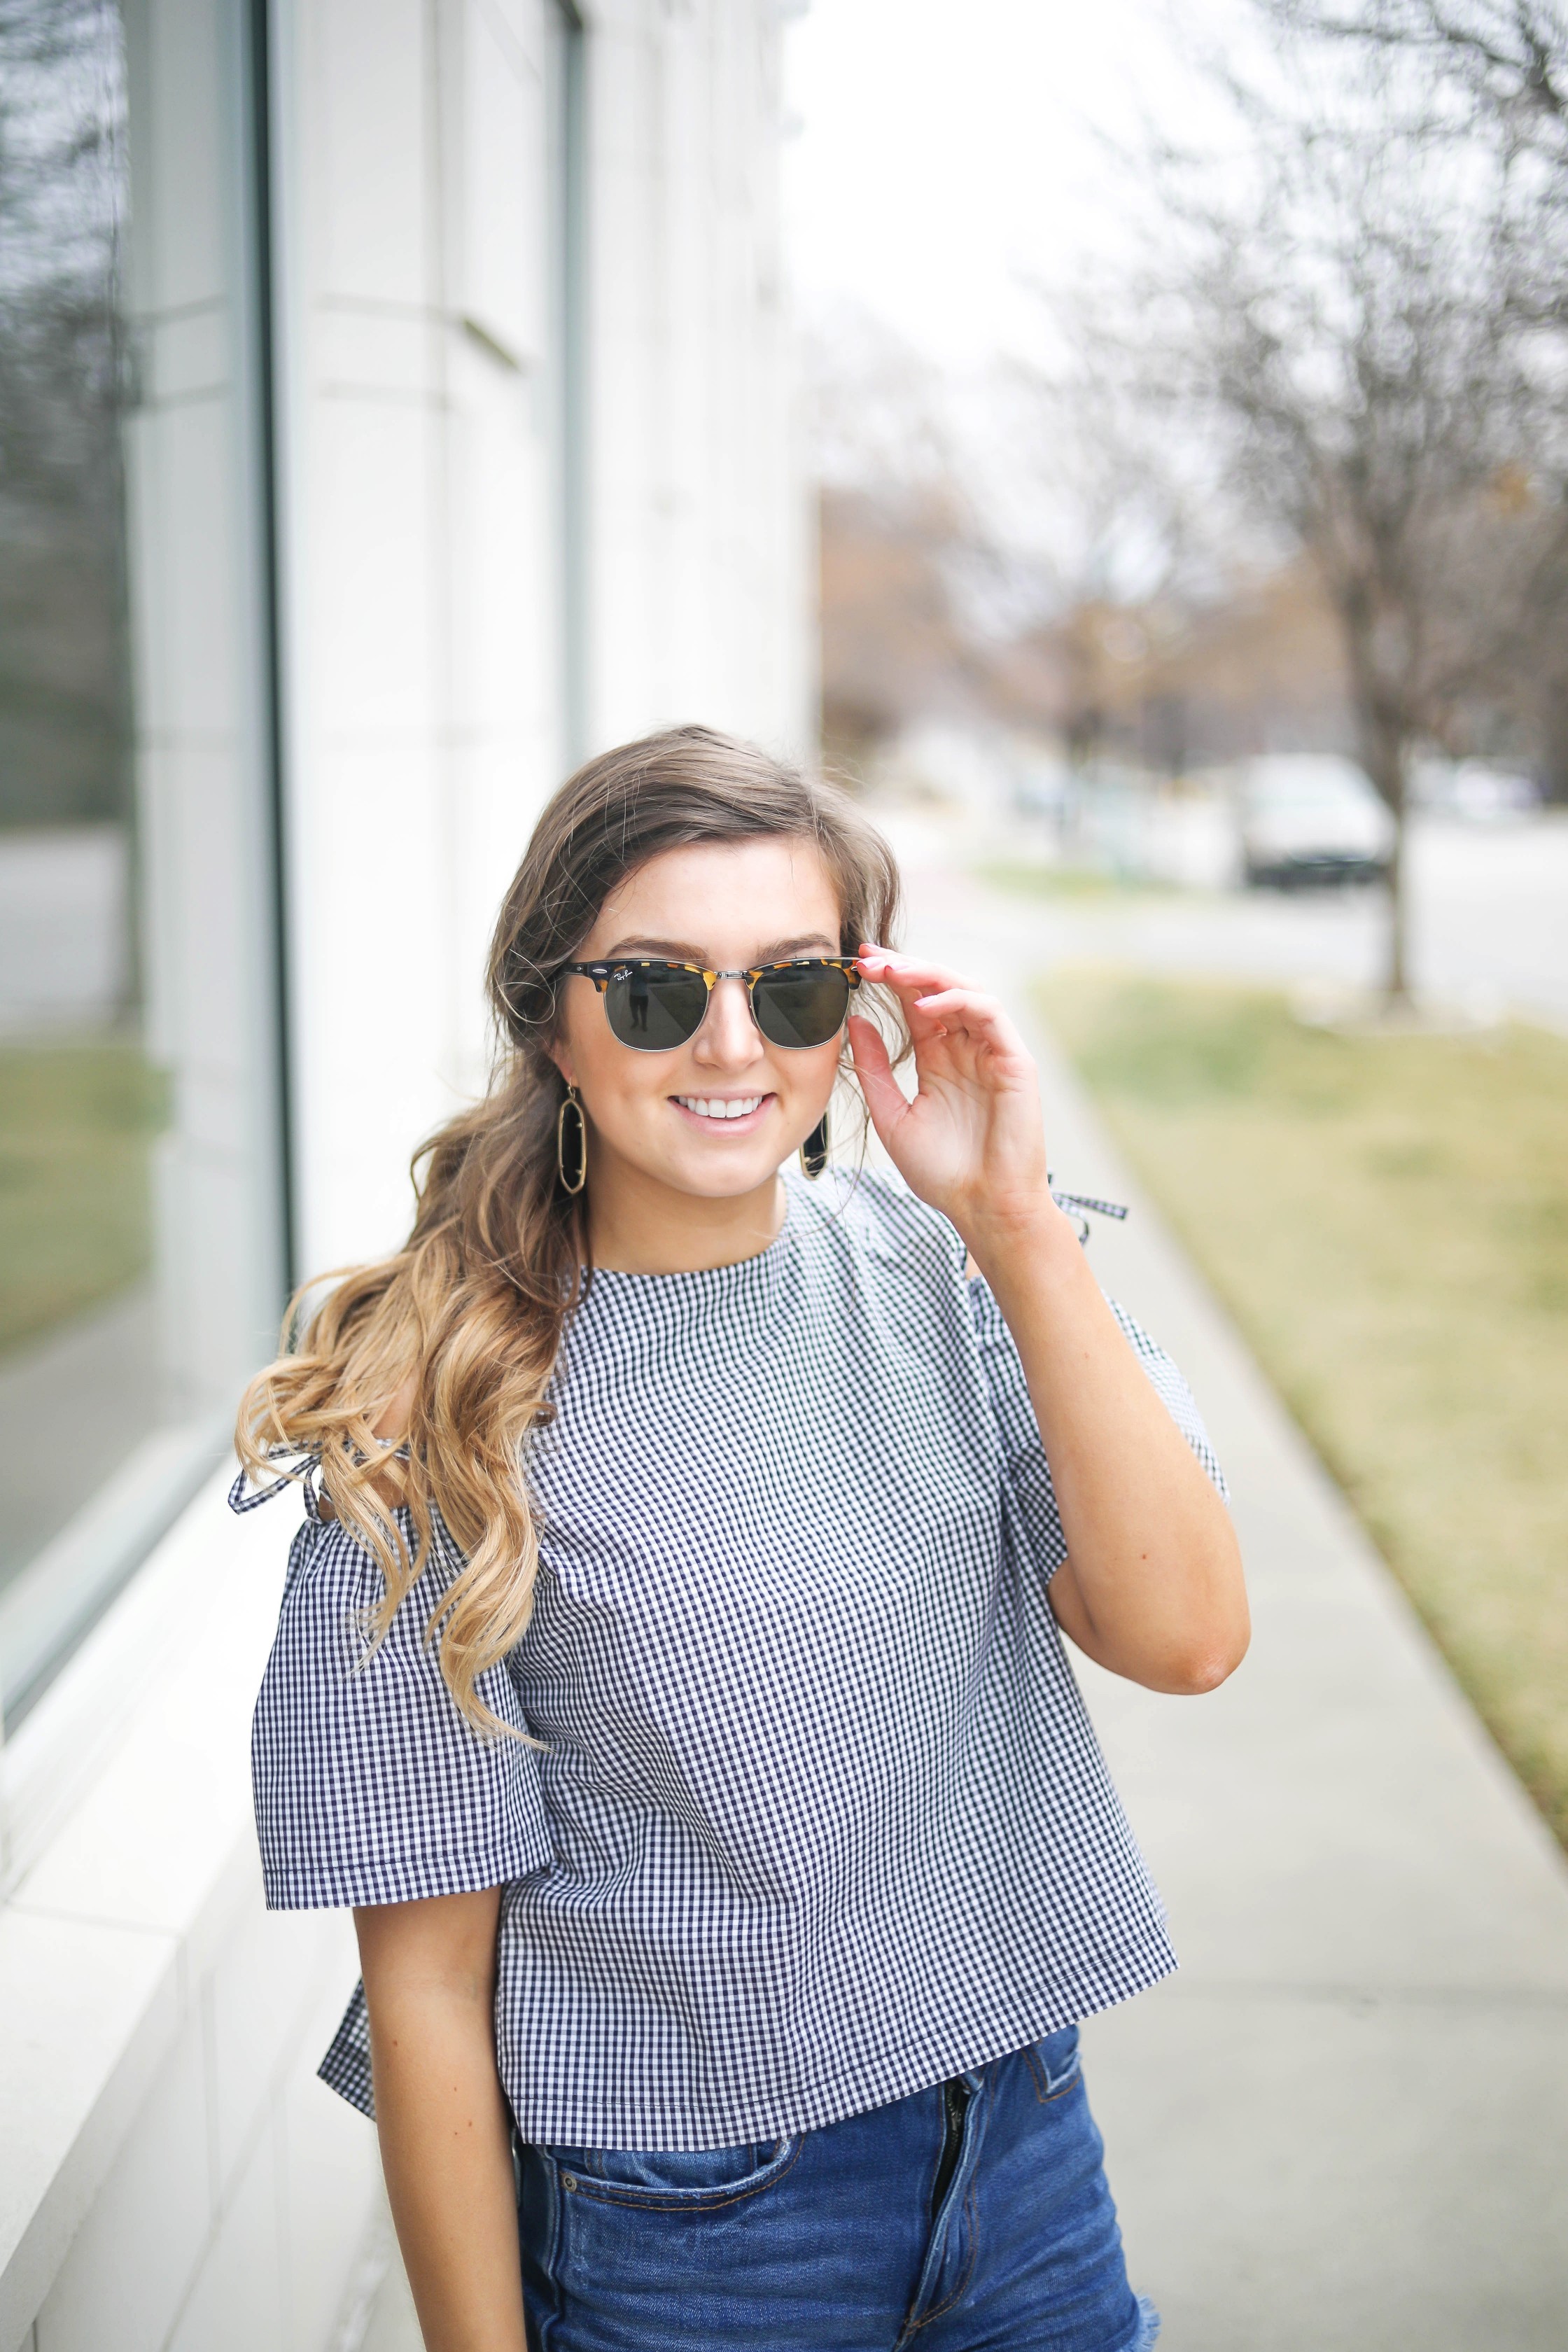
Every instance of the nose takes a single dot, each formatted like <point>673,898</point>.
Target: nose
<point>729,1039</point>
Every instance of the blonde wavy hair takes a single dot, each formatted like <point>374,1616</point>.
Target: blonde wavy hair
<point>460,1329</point>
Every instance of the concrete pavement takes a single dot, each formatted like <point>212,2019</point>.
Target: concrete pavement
<point>1346,2123</point>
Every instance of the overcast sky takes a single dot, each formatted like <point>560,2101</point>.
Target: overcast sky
<point>948,148</point>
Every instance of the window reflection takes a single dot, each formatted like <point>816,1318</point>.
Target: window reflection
<point>79,1102</point>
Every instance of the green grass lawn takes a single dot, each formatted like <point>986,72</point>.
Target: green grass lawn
<point>1387,1218</point>
<point>76,1127</point>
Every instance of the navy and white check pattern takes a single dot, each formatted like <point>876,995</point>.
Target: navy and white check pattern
<point>818,1818</point>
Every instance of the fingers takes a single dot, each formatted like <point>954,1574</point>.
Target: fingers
<point>905,973</point>
<point>938,1003</point>
<point>961,1007</point>
<point>916,983</point>
<point>884,1096</point>
<point>964,1012</point>
<point>910,981</point>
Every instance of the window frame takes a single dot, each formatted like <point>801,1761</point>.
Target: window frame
<point>223,1168</point>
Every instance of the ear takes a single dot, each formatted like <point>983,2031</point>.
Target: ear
<point>563,1061</point>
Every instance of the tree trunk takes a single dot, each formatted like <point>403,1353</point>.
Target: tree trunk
<point>1554,741</point>
<point>1383,727</point>
<point>1385,749</point>
<point>1397,984</point>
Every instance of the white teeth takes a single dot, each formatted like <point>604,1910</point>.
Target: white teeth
<point>718,1106</point>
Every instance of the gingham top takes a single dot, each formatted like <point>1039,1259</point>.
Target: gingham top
<point>818,1818</point>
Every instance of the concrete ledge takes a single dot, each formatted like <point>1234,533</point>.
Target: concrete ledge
<point>162,2029</point>
<point>92,2013</point>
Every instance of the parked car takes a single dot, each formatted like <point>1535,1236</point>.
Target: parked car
<point>1312,818</point>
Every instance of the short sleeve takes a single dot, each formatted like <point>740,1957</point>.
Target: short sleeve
<point>1029,1472</point>
<point>370,1786</point>
<point>1174,1393</point>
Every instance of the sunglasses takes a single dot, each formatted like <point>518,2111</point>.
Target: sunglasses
<point>654,1007</point>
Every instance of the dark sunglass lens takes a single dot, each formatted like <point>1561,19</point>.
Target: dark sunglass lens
<point>655,1011</point>
<point>804,1007</point>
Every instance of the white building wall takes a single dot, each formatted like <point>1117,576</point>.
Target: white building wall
<point>424,638</point>
<point>698,569</point>
<point>172,2178</point>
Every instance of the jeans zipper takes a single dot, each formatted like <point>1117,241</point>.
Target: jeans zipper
<point>955,2098</point>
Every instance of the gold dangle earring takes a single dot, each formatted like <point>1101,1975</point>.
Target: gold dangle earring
<point>813,1151</point>
<point>572,1183</point>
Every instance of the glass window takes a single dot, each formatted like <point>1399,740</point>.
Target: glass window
<point>113,1385</point>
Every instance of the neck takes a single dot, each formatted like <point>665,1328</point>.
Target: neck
<point>636,1226</point>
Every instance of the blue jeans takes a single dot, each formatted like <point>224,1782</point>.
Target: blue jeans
<point>973,2217</point>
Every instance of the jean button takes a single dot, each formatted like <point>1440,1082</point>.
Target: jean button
<point>568,2181</point>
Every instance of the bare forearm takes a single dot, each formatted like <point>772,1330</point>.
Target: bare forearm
<point>444,2143</point>
<point>1152,1586</point>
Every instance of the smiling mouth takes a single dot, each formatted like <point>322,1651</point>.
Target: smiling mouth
<point>721,1108</point>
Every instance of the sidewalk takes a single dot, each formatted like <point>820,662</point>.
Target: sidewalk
<point>1343,2127</point>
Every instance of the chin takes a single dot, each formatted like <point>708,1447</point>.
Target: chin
<point>725,1183</point>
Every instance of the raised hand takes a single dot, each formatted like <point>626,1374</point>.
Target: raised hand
<point>971,1142</point>
<point>1152,1586</point>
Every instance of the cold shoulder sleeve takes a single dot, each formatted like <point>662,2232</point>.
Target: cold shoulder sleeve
<point>370,1787</point>
<point>1029,1472</point>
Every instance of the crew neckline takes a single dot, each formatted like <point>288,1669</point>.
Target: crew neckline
<point>730,1267</point>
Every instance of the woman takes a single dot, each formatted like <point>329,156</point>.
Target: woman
<point>668,1671</point>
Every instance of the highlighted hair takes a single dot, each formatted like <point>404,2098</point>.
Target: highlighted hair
<point>461,1329</point>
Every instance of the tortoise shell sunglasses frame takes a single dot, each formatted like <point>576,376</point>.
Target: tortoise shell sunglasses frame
<point>654,1007</point>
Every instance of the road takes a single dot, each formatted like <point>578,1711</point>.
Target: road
<point>1489,917</point>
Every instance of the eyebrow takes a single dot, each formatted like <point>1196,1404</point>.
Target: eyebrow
<point>682,952</point>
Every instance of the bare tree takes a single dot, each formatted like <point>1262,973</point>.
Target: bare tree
<point>908,566</point>
<point>1511,56</point>
<point>1505,63</point>
<point>1330,316</point>
<point>1114,543</point>
<point>893,647</point>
